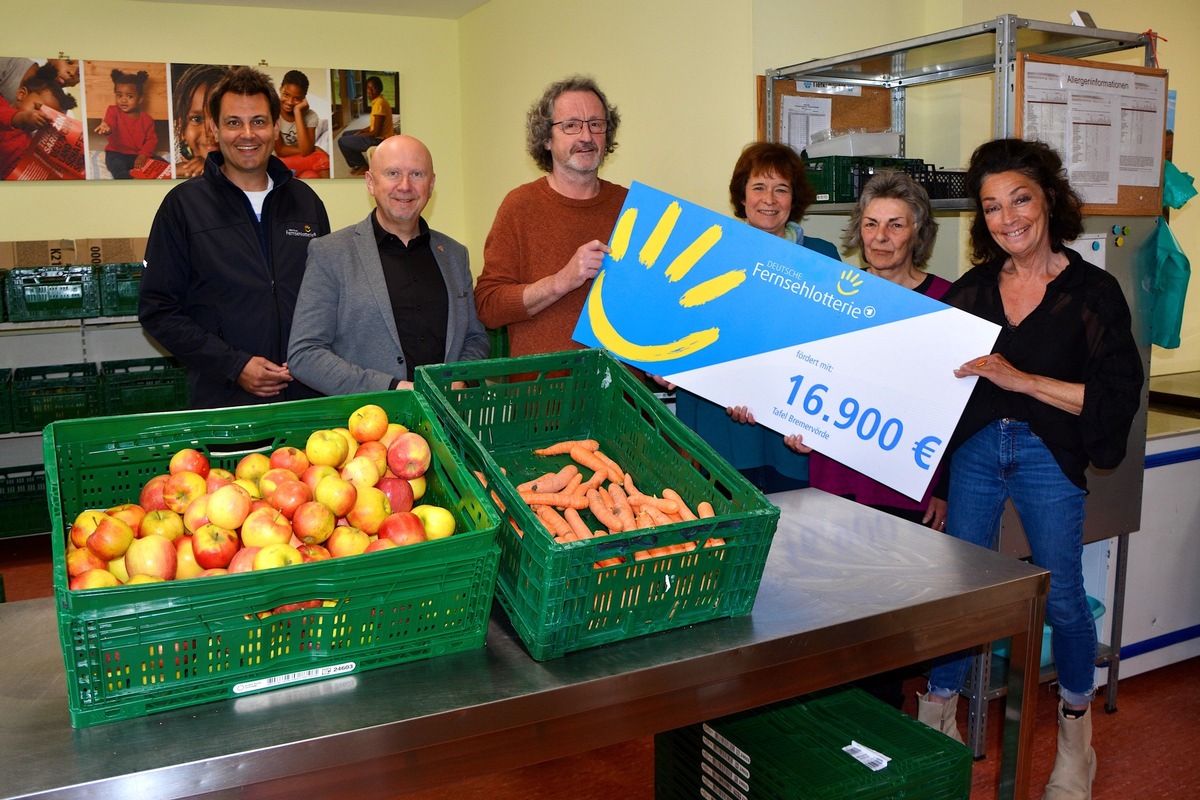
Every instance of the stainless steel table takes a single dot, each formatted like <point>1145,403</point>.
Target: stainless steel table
<point>847,592</point>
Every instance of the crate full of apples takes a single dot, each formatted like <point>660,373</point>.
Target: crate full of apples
<point>345,533</point>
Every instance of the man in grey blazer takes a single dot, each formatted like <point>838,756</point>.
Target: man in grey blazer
<point>388,294</point>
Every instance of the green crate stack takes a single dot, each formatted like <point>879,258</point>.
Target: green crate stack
<point>839,179</point>
<point>33,294</point>
<point>143,385</point>
<point>554,594</point>
<point>119,286</point>
<point>41,395</point>
<point>6,419</point>
<point>23,501</point>
<point>794,750</point>
<point>379,609</point>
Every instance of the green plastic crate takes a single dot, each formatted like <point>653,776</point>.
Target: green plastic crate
<point>839,179</point>
<point>119,287</point>
<point>555,596</point>
<point>41,395</point>
<point>793,750</point>
<point>6,420</point>
<point>134,650</point>
<point>41,293</point>
<point>143,385</point>
<point>23,500</point>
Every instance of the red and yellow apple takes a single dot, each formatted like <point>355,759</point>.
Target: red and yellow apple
<point>346,541</point>
<point>93,579</point>
<point>376,451</point>
<point>84,525</point>
<point>185,560</point>
<point>243,560</point>
<point>326,447</point>
<point>351,444</point>
<point>252,466</point>
<point>132,513</point>
<point>438,521</point>
<point>399,492</point>
<point>313,552</point>
<point>277,555</point>
<point>289,458</point>
<point>218,477</point>
<point>196,514</point>
<point>151,496</point>
<point>367,423</point>
<point>380,544</point>
<point>370,509</point>
<point>290,495</point>
<point>313,522</point>
<point>111,538</point>
<point>164,522</point>
<point>394,429</point>
<point>316,473</point>
<point>152,555</point>
<point>409,455</point>
<point>229,506</point>
<point>418,487</point>
<point>337,494</point>
<point>189,459</point>
<point>361,471</point>
<point>402,528</point>
<point>80,560</point>
<point>214,546</point>
<point>182,488</point>
<point>266,526</point>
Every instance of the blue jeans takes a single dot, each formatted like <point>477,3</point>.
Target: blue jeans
<point>1006,460</point>
<point>353,146</point>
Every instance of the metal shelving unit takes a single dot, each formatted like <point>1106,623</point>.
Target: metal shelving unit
<point>988,47</point>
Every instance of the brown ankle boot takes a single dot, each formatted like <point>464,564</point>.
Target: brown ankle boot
<point>939,716</point>
<point>1075,761</point>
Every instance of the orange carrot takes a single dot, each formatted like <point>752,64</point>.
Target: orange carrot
<point>561,448</point>
<point>630,489</point>
<point>482,478</point>
<point>554,522</point>
<point>578,527</point>
<point>601,512</point>
<point>684,512</point>
<point>615,473</point>
<point>609,562</point>
<point>644,520</point>
<point>716,541</point>
<point>657,516</point>
<point>527,486</point>
<point>574,483</point>
<point>594,482</point>
<point>650,501</point>
<point>621,507</point>
<point>558,499</point>
<point>588,459</point>
<point>705,510</point>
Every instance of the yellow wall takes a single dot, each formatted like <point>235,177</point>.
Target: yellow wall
<point>423,51</point>
<point>682,73</point>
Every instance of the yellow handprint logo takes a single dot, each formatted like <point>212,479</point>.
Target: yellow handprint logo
<point>679,267</point>
<point>851,277</point>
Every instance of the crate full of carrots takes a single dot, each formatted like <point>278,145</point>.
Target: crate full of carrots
<point>616,519</point>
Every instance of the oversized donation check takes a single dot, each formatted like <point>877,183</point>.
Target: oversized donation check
<point>863,368</point>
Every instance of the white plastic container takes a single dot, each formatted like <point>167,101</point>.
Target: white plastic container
<point>886,143</point>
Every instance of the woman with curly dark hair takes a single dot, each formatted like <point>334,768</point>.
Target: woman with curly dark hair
<point>1059,390</point>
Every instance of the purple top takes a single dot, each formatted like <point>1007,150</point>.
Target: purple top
<point>834,477</point>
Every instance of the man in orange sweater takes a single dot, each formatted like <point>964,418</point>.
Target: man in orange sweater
<point>549,236</point>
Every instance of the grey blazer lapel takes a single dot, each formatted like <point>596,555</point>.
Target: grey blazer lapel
<point>366,256</point>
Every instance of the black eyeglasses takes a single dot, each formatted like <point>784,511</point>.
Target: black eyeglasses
<point>571,127</point>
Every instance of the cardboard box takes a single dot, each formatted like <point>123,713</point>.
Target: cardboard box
<point>109,251</point>
<point>47,253</point>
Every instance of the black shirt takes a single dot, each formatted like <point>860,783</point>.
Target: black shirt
<point>418,296</point>
<point>1081,332</point>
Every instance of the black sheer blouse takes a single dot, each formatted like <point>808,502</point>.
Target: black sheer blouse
<point>1080,333</point>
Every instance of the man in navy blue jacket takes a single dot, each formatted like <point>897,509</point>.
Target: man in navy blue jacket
<point>226,255</point>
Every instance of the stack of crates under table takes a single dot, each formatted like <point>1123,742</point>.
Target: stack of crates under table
<point>795,750</point>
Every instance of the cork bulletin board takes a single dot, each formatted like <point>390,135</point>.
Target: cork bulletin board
<point>1108,121</point>
<point>872,110</point>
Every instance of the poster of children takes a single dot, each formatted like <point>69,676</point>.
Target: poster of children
<point>127,125</point>
<point>304,134</point>
<point>41,134</point>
